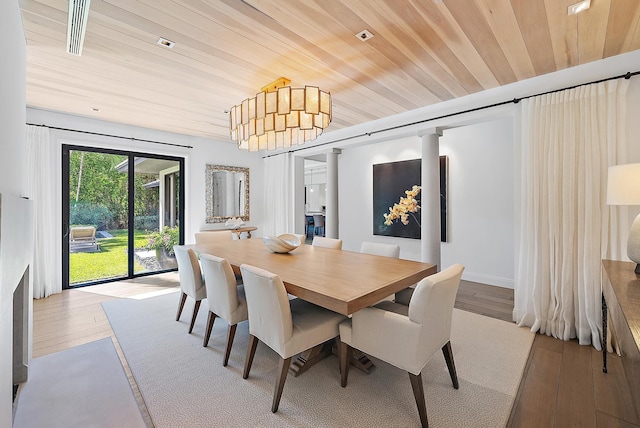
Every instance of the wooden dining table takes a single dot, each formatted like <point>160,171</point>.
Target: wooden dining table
<point>339,280</point>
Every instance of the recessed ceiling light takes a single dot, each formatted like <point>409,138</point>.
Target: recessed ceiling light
<point>364,35</point>
<point>165,42</point>
<point>578,7</point>
<point>95,109</point>
<point>226,111</point>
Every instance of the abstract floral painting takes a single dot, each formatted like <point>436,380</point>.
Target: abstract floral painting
<point>396,198</point>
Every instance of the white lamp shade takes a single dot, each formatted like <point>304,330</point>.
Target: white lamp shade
<point>623,184</point>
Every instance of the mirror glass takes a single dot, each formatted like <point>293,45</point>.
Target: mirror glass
<point>315,179</point>
<point>227,193</point>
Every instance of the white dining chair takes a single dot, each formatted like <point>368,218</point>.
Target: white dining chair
<point>320,241</point>
<point>226,299</point>
<point>216,236</point>
<point>407,336</point>
<point>213,236</point>
<point>379,249</point>
<point>286,326</point>
<point>191,281</point>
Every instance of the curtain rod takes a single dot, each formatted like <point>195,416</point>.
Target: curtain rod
<point>626,76</point>
<point>113,136</point>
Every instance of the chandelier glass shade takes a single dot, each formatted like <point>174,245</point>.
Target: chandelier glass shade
<point>280,118</point>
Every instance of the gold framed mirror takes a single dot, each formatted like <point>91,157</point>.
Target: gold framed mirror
<point>227,193</point>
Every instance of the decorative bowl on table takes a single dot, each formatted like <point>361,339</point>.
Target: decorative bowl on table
<point>282,243</point>
<point>234,223</point>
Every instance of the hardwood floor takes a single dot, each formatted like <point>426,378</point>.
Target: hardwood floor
<point>494,302</point>
<point>75,317</point>
<point>562,386</point>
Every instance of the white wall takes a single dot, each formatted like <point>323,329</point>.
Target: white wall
<point>480,198</point>
<point>204,151</point>
<point>315,181</point>
<point>355,198</point>
<point>481,201</point>
<point>12,170</point>
<point>12,100</point>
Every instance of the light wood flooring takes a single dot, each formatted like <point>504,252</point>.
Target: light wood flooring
<point>75,317</point>
<point>562,386</point>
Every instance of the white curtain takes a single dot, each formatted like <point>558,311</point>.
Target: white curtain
<point>41,188</point>
<point>278,194</point>
<point>569,139</point>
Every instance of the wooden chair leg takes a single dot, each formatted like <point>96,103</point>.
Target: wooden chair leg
<point>418,393</point>
<point>448,357</point>
<point>232,334</point>
<point>183,298</point>
<point>195,314</point>
<point>251,351</point>
<point>210,320</point>
<point>345,359</point>
<point>283,369</point>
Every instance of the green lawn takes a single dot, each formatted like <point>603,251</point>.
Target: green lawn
<point>109,262</point>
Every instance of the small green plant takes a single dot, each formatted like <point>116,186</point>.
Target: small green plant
<point>164,239</point>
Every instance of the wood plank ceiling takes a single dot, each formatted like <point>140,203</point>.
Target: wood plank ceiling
<point>422,52</point>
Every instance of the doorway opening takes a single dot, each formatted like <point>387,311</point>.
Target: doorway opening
<point>122,214</point>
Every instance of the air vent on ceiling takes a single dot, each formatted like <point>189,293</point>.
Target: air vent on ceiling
<point>77,25</point>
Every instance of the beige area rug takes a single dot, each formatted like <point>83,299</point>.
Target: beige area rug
<point>185,384</point>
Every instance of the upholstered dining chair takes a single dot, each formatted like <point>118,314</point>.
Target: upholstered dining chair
<point>226,299</point>
<point>309,226</point>
<point>320,241</point>
<point>318,224</point>
<point>191,282</point>
<point>379,249</point>
<point>217,236</point>
<point>407,336</point>
<point>286,326</point>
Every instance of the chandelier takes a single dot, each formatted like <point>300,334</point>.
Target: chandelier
<point>280,116</point>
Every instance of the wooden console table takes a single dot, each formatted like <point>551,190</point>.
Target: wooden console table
<point>238,232</point>
<point>621,300</point>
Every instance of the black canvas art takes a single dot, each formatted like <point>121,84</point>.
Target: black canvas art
<point>396,198</point>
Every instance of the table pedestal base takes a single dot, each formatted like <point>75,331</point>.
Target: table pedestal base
<point>361,361</point>
<point>310,357</point>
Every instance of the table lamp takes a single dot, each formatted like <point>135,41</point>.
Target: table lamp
<point>623,188</point>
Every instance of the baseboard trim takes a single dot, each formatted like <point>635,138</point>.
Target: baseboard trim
<point>487,279</point>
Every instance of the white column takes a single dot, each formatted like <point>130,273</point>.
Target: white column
<point>331,219</point>
<point>430,198</point>
<point>298,196</point>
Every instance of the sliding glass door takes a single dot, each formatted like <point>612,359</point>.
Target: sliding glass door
<point>122,214</point>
